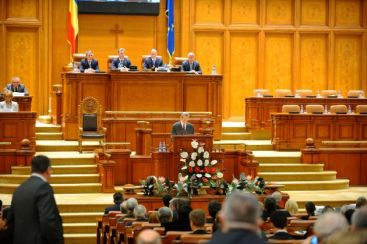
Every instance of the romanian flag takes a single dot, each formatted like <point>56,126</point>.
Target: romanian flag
<point>73,27</point>
<point>170,29</point>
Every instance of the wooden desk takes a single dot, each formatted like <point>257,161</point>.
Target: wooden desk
<point>25,103</point>
<point>16,126</point>
<point>258,109</point>
<point>141,91</point>
<point>290,131</point>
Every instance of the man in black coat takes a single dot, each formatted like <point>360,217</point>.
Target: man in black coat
<point>240,214</point>
<point>153,61</point>
<point>279,221</point>
<point>183,127</point>
<point>117,199</point>
<point>89,64</point>
<point>121,63</point>
<point>191,65</point>
<point>36,217</point>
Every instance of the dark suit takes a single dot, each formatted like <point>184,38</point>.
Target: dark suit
<point>84,64</point>
<point>195,66</point>
<point>36,217</point>
<point>177,129</point>
<point>281,235</point>
<point>20,88</point>
<point>115,207</point>
<point>149,64</point>
<point>236,236</point>
<point>117,63</point>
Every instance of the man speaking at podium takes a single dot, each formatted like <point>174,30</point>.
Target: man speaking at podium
<point>183,127</point>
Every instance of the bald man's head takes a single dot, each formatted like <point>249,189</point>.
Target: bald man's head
<point>148,237</point>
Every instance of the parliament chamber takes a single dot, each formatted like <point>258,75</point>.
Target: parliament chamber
<point>281,97</point>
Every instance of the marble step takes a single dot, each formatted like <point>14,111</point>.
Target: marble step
<point>277,157</point>
<point>49,135</point>
<point>47,128</point>
<point>263,167</point>
<point>77,217</point>
<point>85,228</point>
<point>313,185</point>
<point>68,157</point>
<point>235,136</point>
<point>56,178</point>
<point>298,176</point>
<point>80,238</point>
<point>59,188</point>
<point>60,169</point>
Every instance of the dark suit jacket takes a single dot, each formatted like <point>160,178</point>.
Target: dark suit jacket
<point>115,63</point>
<point>195,66</point>
<point>85,65</point>
<point>148,63</point>
<point>236,236</point>
<point>36,217</point>
<point>281,236</point>
<point>178,130</point>
<point>115,207</point>
<point>21,88</point>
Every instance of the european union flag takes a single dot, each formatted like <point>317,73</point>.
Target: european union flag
<point>170,29</point>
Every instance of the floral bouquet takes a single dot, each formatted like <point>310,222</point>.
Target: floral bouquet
<point>197,169</point>
<point>245,183</point>
<point>156,186</point>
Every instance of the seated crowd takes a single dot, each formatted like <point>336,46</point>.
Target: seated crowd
<point>242,219</point>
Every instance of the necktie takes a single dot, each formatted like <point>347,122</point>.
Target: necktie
<point>90,64</point>
<point>15,89</point>
<point>190,66</point>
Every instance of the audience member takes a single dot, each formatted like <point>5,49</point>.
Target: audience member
<point>278,198</point>
<point>148,236</point>
<point>348,237</point>
<point>166,199</point>
<point>183,127</point>
<point>153,61</point>
<point>16,86</point>
<point>191,65</point>
<point>121,63</point>
<point>8,105</point>
<point>123,207</point>
<point>140,213</point>
<point>361,201</point>
<point>153,217</point>
<point>131,203</point>
<point>359,219</point>
<point>89,64</point>
<point>36,217</point>
<point>348,215</point>
<point>6,226</point>
<point>292,207</point>
<point>165,216</point>
<point>240,214</point>
<point>327,209</point>
<point>213,208</point>
<point>183,221</point>
<point>326,225</point>
<point>270,206</point>
<point>117,199</point>
<point>310,209</point>
<point>197,222</point>
<point>279,221</point>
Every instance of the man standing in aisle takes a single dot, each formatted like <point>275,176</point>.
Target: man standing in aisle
<point>36,217</point>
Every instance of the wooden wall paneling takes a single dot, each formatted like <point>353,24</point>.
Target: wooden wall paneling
<point>348,62</point>
<point>363,168</point>
<point>313,60</point>
<point>244,12</point>
<point>314,12</point>
<point>141,167</point>
<point>350,170</point>
<point>279,12</point>
<point>278,61</point>
<point>22,9</point>
<point>209,11</point>
<point>348,13</point>
<point>209,50</point>
<point>243,69</point>
<point>196,97</point>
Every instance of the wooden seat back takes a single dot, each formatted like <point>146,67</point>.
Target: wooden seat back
<point>291,108</point>
<point>356,93</point>
<point>338,109</point>
<point>304,93</point>
<point>361,109</point>
<point>261,92</point>
<point>326,93</point>
<point>283,93</point>
<point>314,108</point>
<point>192,238</point>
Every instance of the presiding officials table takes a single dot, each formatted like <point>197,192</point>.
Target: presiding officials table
<point>259,109</point>
<point>141,91</point>
<point>24,103</point>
